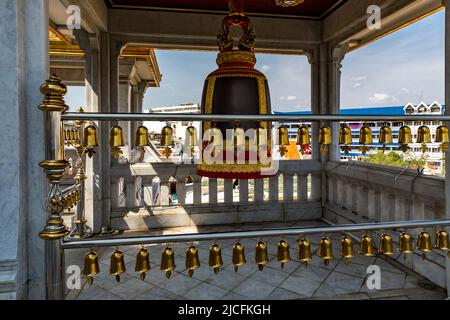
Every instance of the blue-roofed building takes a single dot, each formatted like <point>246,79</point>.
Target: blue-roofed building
<point>433,154</point>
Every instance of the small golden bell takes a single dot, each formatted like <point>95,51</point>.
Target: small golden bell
<point>192,260</point>
<point>325,138</point>
<point>238,256</point>
<point>215,258</point>
<point>167,140</point>
<point>303,138</point>
<point>91,266</point>
<point>142,263</point>
<point>442,241</point>
<point>117,264</point>
<point>326,250</point>
<point>385,136</point>
<point>424,137</point>
<point>345,138</point>
<point>116,141</point>
<point>442,137</point>
<point>90,137</point>
<point>424,243</point>
<point>141,137</point>
<point>406,243</point>
<point>261,256</point>
<point>404,137</point>
<point>168,261</point>
<point>283,140</point>
<point>191,139</point>
<point>304,251</point>
<point>386,245</point>
<point>347,249</point>
<point>283,254</point>
<point>365,138</point>
<point>367,248</point>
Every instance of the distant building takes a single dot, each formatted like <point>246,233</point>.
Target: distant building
<point>434,155</point>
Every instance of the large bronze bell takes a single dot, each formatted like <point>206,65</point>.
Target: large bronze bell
<point>168,261</point>
<point>261,256</point>
<point>424,243</point>
<point>304,251</point>
<point>192,260</point>
<point>386,245</point>
<point>117,264</point>
<point>283,140</point>
<point>325,138</point>
<point>142,263</point>
<point>116,141</point>
<point>405,138</point>
<point>424,137</point>
<point>442,241</point>
<point>303,138</point>
<point>90,137</point>
<point>283,254</point>
<point>365,138</point>
<point>236,87</point>
<point>367,248</point>
<point>238,256</point>
<point>442,137</point>
<point>406,243</point>
<point>347,249</point>
<point>141,137</point>
<point>91,266</point>
<point>345,138</point>
<point>326,250</point>
<point>215,258</point>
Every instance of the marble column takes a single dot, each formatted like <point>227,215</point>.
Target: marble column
<point>24,67</point>
<point>447,111</point>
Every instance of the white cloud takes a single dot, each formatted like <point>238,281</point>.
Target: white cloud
<point>291,98</point>
<point>265,68</point>
<point>359,78</point>
<point>404,90</point>
<point>356,85</point>
<point>282,98</point>
<point>382,97</point>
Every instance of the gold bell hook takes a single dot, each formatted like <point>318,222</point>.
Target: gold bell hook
<point>168,261</point>
<point>304,251</point>
<point>424,243</point>
<point>261,256</point>
<point>347,249</point>
<point>117,264</point>
<point>326,250</point>
<point>142,263</point>
<point>386,246</point>
<point>215,258</point>
<point>406,243</point>
<point>192,260</point>
<point>367,248</point>
<point>283,254</point>
<point>91,266</point>
<point>238,256</point>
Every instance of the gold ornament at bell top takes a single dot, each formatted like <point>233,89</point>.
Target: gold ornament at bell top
<point>117,264</point>
<point>142,263</point>
<point>283,254</point>
<point>386,246</point>
<point>442,137</point>
<point>367,249</point>
<point>192,260</point>
<point>442,241</point>
<point>215,258</point>
<point>91,266</point>
<point>168,261</point>
<point>424,243</point>
<point>404,137</point>
<point>406,243</point>
<point>238,256</point>
<point>141,138</point>
<point>325,138</point>
<point>347,249</point>
<point>261,256</point>
<point>326,250</point>
<point>304,251</point>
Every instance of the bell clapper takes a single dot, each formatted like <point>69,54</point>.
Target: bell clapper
<point>142,276</point>
<point>118,278</point>
<point>236,268</point>
<point>424,148</point>
<point>90,281</point>
<point>404,148</point>
<point>191,273</point>
<point>260,267</point>
<point>168,274</point>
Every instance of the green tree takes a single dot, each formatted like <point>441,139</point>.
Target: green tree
<point>396,159</point>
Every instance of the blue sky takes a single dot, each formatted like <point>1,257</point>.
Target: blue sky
<point>406,66</point>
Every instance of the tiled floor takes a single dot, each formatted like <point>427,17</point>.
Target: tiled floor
<point>317,281</point>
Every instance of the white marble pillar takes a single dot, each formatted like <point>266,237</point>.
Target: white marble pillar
<point>23,67</point>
